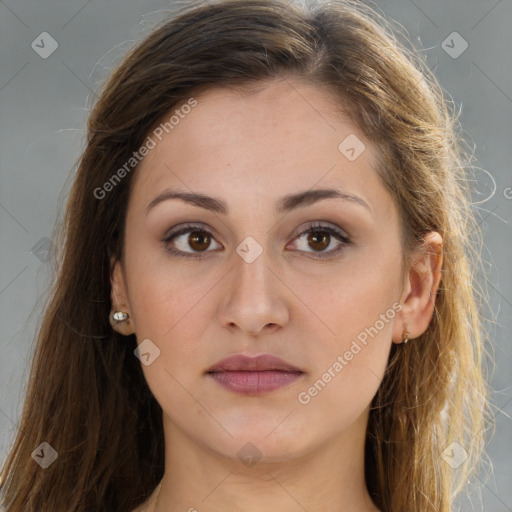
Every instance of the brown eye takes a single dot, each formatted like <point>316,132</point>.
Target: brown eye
<point>199,240</point>
<point>322,241</point>
<point>319,240</point>
<point>188,241</point>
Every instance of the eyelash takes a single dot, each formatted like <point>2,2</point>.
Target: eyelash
<point>188,228</point>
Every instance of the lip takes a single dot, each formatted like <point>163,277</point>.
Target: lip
<point>261,363</point>
<point>254,375</point>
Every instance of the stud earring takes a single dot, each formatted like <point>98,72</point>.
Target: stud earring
<point>119,316</point>
<point>405,336</point>
<point>121,322</point>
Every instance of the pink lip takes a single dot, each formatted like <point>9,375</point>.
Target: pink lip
<point>261,363</point>
<point>254,375</point>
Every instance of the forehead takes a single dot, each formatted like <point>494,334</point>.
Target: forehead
<point>277,136</point>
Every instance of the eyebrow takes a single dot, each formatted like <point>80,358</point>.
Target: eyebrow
<point>285,204</point>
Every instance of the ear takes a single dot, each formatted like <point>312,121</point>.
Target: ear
<point>119,299</point>
<point>419,294</point>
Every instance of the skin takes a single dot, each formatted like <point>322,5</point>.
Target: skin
<point>249,150</point>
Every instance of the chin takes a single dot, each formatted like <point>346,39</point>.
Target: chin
<point>265,444</point>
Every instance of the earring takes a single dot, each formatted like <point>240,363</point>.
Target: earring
<point>121,323</point>
<point>118,316</point>
<point>405,335</point>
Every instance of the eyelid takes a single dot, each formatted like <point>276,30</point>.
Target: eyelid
<point>184,228</point>
<point>322,224</point>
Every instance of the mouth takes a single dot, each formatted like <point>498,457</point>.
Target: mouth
<point>254,375</point>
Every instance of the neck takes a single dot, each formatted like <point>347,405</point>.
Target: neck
<point>328,478</point>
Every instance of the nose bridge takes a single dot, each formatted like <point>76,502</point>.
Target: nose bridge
<point>255,299</point>
<point>253,275</point>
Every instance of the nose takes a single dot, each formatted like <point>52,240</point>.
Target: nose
<point>255,298</point>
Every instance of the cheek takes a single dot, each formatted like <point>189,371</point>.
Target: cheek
<point>353,340</point>
<point>166,298</point>
<point>173,311</point>
<point>347,367</point>
<point>344,303</point>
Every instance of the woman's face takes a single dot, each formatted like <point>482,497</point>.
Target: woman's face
<point>264,267</point>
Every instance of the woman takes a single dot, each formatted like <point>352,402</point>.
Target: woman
<point>265,295</point>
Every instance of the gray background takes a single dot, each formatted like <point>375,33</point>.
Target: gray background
<point>43,109</point>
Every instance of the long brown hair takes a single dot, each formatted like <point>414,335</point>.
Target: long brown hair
<point>87,396</point>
